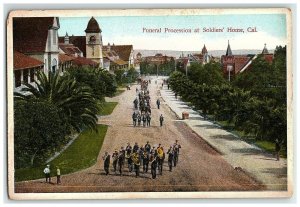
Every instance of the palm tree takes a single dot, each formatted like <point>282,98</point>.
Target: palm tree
<point>77,105</point>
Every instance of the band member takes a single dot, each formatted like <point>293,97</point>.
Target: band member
<point>148,147</point>
<point>145,161</point>
<point>121,161</point>
<point>176,148</point>
<point>160,158</point>
<point>106,159</point>
<point>135,147</point>
<point>170,157</point>
<point>153,151</point>
<point>115,160</point>
<point>153,163</point>
<point>136,161</point>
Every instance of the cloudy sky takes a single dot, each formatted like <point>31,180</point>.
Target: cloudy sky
<point>271,29</point>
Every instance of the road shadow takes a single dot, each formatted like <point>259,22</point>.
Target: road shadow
<point>279,172</point>
<point>228,137</point>
<point>207,126</point>
<point>247,151</point>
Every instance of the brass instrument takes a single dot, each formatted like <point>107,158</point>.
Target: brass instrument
<point>135,158</point>
<point>160,153</point>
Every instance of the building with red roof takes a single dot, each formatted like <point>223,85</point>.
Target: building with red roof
<point>25,69</point>
<point>37,37</point>
<point>234,64</point>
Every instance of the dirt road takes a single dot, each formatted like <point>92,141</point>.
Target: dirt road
<point>200,167</point>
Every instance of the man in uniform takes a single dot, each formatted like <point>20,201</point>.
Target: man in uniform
<point>161,120</point>
<point>176,147</point>
<point>170,158</point>
<point>158,103</point>
<point>121,158</point>
<point>153,166</point>
<point>148,119</point>
<point>145,161</point>
<point>137,163</point>
<point>106,159</point>
<point>144,119</point>
<point>148,147</point>
<point>115,156</point>
<point>134,119</point>
<point>139,119</point>
<point>135,147</point>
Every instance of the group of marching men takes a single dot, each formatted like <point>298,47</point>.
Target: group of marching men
<point>138,156</point>
<point>142,110</point>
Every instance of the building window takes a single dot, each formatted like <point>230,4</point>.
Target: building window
<point>25,76</point>
<point>54,37</point>
<point>31,75</point>
<point>17,78</point>
<point>54,65</point>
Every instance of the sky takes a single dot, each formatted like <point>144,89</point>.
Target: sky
<point>271,29</point>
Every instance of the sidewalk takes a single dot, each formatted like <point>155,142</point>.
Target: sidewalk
<point>259,164</point>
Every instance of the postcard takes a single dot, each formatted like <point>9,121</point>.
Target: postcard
<point>150,103</point>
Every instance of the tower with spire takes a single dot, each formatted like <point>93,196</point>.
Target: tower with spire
<point>205,55</point>
<point>67,39</point>
<point>228,51</point>
<point>94,42</point>
<point>265,50</point>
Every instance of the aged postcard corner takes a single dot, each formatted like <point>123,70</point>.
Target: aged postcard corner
<point>158,103</point>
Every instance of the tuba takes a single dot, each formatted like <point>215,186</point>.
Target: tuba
<point>160,153</point>
<point>136,159</point>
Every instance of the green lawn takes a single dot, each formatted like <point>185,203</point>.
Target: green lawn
<point>270,147</point>
<point>81,154</point>
<point>265,145</point>
<point>107,108</point>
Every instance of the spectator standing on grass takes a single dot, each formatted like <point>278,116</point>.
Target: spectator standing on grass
<point>277,148</point>
<point>47,174</point>
<point>58,181</point>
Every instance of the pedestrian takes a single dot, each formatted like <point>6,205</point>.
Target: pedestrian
<point>158,103</point>
<point>134,119</point>
<point>176,96</point>
<point>161,120</point>
<point>170,158</point>
<point>168,86</point>
<point>115,156</point>
<point>153,166</point>
<point>106,159</point>
<point>47,174</point>
<point>58,181</point>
